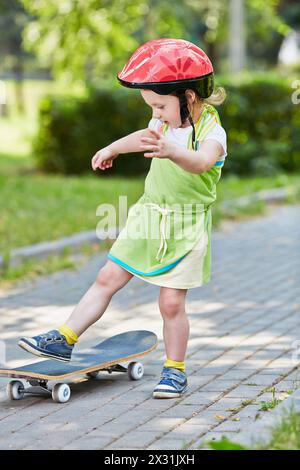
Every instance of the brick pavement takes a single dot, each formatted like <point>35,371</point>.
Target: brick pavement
<point>243,327</point>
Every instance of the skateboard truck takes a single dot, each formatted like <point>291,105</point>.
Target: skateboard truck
<point>116,368</point>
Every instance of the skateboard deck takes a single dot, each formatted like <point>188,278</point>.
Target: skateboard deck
<point>104,356</point>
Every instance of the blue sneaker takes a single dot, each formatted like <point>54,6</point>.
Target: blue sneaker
<point>172,385</point>
<point>52,345</point>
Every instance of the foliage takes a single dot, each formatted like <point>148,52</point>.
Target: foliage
<point>261,121</point>
<point>87,39</point>
<point>13,19</point>
<point>225,444</point>
<point>72,130</point>
<point>262,125</point>
<point>91,40</point>
<point>286,436</point>
<point>290,12</point>
<point>265,30</point>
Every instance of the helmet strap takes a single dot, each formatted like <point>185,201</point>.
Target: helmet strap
<point>194,132</point>
<point>185,114</point>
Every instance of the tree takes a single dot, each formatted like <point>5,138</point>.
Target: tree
<point>265,30</point>
<point>290,12</point>
<point>13,19</point>
<point>91,40</point>
<point>263,26</point>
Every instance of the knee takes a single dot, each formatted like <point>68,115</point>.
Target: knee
<point>103,277</point>
<point>171,306</point>
<point>112,278</point>
<point>107,279</point>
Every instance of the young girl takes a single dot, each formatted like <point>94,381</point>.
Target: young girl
<point>187,146</point>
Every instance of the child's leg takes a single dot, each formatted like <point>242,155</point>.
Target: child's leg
<point>173,381</point>
<point>93,304</point>
<point>58,344</point>
<point>176,324</point>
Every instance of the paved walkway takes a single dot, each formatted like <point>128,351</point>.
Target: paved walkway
<point>243,325</point>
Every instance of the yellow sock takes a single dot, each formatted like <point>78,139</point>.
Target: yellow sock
<point>69,334</point>
<point>175,365</point>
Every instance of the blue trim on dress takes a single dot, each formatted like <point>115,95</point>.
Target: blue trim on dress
<point>136,271</point>
<point>220,163</point>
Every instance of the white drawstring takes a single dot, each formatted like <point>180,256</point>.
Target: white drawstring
<point>162,227</point>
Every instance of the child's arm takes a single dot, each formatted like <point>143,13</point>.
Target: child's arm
<point>128,144</point>
<point>198,161</point>
<point>194,161</point>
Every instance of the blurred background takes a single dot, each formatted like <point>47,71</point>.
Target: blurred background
<point>60,102</point>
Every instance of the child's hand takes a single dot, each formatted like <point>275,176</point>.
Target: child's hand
<point>103,159</point>
<point>158,146</point>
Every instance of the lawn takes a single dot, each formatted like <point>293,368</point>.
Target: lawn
<point>37,207</point>
<point>287,435</point>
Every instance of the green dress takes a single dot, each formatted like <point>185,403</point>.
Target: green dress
<point>172,214</point>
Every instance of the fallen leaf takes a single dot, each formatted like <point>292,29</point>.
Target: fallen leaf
<point>220,417</point>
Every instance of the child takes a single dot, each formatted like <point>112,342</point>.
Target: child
<point>175,78</point>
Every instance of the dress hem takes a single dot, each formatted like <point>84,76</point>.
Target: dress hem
<point>136,272</point>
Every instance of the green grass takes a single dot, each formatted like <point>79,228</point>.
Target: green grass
<point>232,187</point>
<point>245,186</point>
<point>36,207</point>
<point>284,437</point>
<point>287,435</point>
<point>30,269</point>
<point>269,405</point>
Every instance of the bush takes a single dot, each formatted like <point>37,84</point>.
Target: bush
<point>71,130</point>
<point>262,126</point>
<point>261,121</point>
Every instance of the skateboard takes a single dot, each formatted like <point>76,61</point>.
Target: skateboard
<point>105,356</point>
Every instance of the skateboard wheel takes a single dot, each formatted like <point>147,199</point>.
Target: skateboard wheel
<point>61,393</point>
<point>135,370</point>
<point>15,390</point>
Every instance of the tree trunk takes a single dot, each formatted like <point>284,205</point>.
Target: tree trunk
<point>237,46</point>
<point>19,92</point>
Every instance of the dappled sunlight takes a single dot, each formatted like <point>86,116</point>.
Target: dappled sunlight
<point>20,362</point>
<point>203,306</point>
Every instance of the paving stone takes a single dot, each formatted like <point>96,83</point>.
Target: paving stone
<point>161,424</point>
<point>169,444</point>
<point>231,425</point>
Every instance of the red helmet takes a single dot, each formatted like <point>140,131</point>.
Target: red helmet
<point>167,65</point>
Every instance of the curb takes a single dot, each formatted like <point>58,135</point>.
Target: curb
<point>268,195</point>
<point>260,432</point>
<point>45,249</point>
<point>75,242</point>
